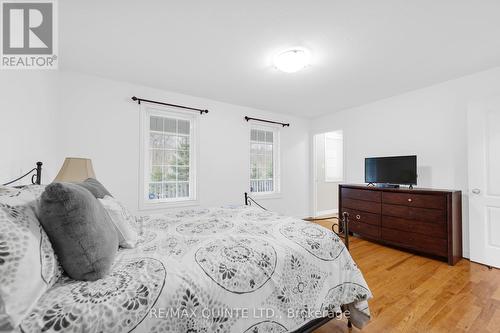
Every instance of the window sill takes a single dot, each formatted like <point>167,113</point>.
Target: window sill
<point>167,205</point>
<point>266,195</point>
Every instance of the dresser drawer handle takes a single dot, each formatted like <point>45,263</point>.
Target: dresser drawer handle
<point>409,200</point>
<point>358,217</point>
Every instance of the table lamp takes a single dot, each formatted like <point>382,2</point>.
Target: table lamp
<point>75,169</point>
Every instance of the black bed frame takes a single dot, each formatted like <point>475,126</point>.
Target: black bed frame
<point>36,178</point>
<point>343,233</point>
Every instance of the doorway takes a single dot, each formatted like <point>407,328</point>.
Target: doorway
<point>328,171</point>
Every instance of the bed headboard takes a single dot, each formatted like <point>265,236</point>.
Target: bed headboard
<point>36,177</point>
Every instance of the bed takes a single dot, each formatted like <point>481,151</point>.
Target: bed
<point>230,269</point>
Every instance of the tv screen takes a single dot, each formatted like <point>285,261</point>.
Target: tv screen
<point>391,170</point>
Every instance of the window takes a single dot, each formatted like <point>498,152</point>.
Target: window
<point>264,160</point>
<point>334,156</point>
<point>168,157</point>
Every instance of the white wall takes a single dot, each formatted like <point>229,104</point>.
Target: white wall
<point>429,122</point>
<point>98,120</point>
<point>49,115</point>
<point>28,108</point>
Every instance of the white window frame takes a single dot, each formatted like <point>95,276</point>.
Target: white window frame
<point>334,179</point>
<point>147,111</point>
<point>276,193</point>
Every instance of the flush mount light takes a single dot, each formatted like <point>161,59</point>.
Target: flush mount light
<point>292,60</point>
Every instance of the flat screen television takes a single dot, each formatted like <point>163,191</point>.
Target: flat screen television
<point>397,170</point>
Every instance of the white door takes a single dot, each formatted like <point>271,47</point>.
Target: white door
<point>484,181</point>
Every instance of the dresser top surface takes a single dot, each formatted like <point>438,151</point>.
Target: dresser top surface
<point>416,190</point>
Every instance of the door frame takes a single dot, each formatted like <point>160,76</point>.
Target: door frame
<point>314,206</point>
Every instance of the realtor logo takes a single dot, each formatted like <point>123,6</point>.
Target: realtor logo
<point>29,35</point>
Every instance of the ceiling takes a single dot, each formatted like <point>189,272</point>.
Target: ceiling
<point>362,50</point>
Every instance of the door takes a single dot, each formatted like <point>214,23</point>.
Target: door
<point>484,181</point>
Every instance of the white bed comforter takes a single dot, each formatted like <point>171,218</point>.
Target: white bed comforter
<point>211,270</point>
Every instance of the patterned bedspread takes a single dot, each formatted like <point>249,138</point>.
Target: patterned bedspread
<point>211,270</point>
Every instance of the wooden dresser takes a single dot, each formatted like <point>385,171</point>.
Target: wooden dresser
<point>427,221</point>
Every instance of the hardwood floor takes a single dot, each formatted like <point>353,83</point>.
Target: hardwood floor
<point>417,294</point>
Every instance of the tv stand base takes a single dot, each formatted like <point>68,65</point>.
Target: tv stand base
<point>388,185</point>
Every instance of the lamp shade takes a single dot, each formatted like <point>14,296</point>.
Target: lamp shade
<point>75,169</point>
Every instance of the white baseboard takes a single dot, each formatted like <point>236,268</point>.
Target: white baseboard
<point>466,255</point>
<point>326,212</point>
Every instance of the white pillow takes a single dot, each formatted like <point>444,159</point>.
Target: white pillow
<point>28,264</point>
<point>122,220</point>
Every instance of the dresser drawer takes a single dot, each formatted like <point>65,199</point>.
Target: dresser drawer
<point>364,217</point>
<point>414,241</point>
<point>415,213</point>
<point>415,200</point>
<point>424,228</point>
<point>362,194</point>
<point>365,206</point>
<point>365,229</point>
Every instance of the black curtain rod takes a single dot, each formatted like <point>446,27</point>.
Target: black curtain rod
<point>139,100</point>
<point>267,121</point>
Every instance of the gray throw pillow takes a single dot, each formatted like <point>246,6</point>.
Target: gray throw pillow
<point>80,230</point>
<point>95,187</point>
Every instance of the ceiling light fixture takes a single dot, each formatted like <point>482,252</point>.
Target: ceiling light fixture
<point>292,60</point>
